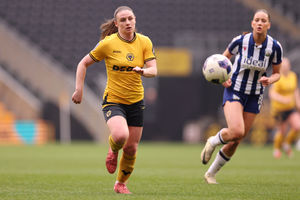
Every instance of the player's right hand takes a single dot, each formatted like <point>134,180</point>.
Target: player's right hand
<point>77,96</point>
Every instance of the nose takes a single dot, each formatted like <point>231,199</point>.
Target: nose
<point>259,22</point>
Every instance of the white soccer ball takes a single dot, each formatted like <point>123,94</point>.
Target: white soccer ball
<point>217,69</point>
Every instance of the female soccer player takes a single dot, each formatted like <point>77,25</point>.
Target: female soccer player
<point>243,93</point>
<point>125,53</point>
<point>285,100</point>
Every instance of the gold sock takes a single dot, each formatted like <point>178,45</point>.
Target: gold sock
<point>114,146</point>
<point>126,167</point>
<point>291,136</point>
<point>278,139</point>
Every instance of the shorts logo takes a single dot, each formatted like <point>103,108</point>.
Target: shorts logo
<point>130,57</point>
<point>235,97</point>
<point>108,114</point>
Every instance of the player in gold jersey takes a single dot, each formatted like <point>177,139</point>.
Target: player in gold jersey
<point>128,56</point>
<point>285,101</point>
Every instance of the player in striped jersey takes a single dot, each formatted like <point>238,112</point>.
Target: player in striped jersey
<point>285,100</point>
<point>128,56</point>
<point>243,94</point>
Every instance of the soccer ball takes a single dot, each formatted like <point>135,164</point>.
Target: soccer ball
<point>217,69</point>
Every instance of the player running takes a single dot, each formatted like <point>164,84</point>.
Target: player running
<point>285,100</point>
<point>125,53</point>
<point>243,93</point>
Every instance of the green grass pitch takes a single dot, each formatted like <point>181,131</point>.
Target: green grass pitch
<point>164,171</point>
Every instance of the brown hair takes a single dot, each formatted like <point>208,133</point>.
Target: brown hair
<point>264,11</point>
<point>108,27</point>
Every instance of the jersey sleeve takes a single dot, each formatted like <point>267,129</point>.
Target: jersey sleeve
<point>233,47</point>
<point>278,53</point>
<point>98,53</point>
<point>149,53</point>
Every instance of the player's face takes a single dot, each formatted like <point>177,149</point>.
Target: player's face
<point>260,23</point>
<point>125,21</point>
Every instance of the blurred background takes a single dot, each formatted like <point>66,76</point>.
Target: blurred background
<point>42,41</point>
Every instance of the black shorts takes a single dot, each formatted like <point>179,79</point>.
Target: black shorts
<point>284,115</point>
<point>133,113</point>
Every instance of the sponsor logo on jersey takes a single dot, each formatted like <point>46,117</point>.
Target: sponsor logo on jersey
<point>122,68</point>
<point>116,51</point>
<point>252,63</point>
<point>130,56</point>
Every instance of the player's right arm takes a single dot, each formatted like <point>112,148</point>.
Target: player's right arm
<point>228,55</point>
<point>85,62</point>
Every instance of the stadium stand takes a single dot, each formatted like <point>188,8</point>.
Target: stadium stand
<point>68,29</point>
<point>290,8</point>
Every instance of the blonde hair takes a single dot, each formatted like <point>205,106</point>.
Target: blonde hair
<point>109,27</point>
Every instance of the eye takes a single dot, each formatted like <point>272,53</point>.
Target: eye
<point>122,19</point>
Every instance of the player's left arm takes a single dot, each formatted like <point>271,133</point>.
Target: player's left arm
<point>265,81</point>
<point>150,69</point>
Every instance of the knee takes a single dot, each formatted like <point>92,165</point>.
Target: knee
<point>130,149</point>
<point>295,122</point>
<point>237,133</point>
<point>120,136</point>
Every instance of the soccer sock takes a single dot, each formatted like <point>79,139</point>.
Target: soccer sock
<point>217,139</point>
<point>278,139</point>
<point>114,146</point>
<point>126,167</point>
<point>291,136</point>
<point>220,160</point>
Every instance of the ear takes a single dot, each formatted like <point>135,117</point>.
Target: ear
<point>269,25</point>
<point>116,23</point>
<point>252,26</point>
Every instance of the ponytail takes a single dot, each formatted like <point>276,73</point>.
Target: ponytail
<point>108,28</point>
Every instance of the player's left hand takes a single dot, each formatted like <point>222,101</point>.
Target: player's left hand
<point>227,83</point>
<point>265,81</point>
<point>138,70</point>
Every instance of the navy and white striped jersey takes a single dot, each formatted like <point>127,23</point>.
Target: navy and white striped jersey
<point>251,62</point>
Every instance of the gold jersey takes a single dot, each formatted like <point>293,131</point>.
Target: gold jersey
<point>286,86</point>
<point>121,56</point>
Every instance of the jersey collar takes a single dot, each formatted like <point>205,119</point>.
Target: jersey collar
<point>261,45</point>
<point>129,41</point>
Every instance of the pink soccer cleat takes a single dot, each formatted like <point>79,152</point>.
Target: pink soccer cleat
<point>276,153</point>
<point>121,188</point>
<point>111,161</point>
